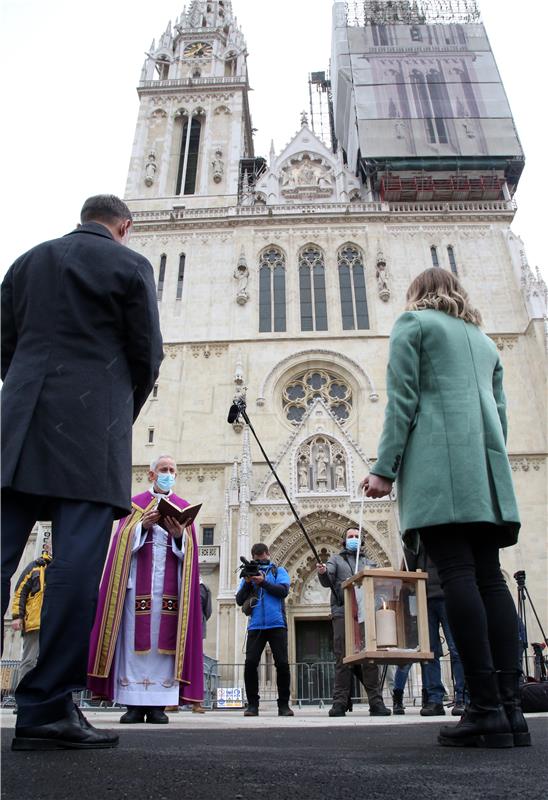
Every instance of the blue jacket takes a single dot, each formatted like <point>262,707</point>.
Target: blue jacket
<point>269,609</point>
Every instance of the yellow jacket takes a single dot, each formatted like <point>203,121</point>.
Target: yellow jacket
<point>29,594</point>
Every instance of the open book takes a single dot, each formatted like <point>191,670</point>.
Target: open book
<point>184,516</point>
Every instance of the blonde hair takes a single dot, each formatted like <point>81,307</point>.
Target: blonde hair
<point>438,289</point>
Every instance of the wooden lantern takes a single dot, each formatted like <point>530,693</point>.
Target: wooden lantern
<point>386,617</point>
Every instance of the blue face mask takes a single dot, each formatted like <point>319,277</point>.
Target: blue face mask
<point>352,544</point>
<point>165,481</point>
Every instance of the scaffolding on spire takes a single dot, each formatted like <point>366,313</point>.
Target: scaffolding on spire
<point>361,13</point>
<point>321,109</point>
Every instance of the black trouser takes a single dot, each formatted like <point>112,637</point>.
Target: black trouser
<point>367,673</point>
<point>80,534</point>
<point>256,643</point>
<point>482,615</point>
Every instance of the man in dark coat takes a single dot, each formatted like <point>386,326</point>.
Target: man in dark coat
<point>81,351</point>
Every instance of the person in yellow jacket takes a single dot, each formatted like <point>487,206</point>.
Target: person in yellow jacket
<point>27,607</point>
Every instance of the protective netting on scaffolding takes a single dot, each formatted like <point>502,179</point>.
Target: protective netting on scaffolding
<point>410,12</point>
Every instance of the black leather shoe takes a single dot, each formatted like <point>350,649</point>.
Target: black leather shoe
<point>156,716</point>
<point>133,716</point>
<point>337,710</point>
<point>251,711</point>
<point>433,710</point>
<point>73,732</point>
<point>379,710</point>
<point>285,711</point>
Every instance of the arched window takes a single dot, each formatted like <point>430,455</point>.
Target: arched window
<point>434,254</point>
<point>161,276</point>
<point>188,157</point>
<point>452,261</point>
<point>181,276</point>
<point>354,311</point>
<point>312,290</point>
<point>272,290</point>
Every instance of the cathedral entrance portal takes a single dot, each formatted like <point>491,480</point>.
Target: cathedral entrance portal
<point>315,657</point>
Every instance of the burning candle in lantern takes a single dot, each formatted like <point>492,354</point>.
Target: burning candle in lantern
<point>385,622</point>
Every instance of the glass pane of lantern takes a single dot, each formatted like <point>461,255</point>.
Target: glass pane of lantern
<point>357,619</point>
<point>395,614</point>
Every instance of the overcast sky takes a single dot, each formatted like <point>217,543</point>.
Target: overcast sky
<point>70,70</point>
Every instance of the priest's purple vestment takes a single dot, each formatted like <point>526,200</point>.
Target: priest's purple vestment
<point>177,629</point>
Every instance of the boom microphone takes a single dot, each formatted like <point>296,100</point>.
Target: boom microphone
<point>238,408</point>
<point>233,414</point>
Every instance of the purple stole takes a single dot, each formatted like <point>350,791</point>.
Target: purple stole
<point>167,639</point>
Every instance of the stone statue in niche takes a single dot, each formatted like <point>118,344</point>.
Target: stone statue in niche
<point>322,462</point>
<point>302,471</point>
<point>150,168</point>
<point>340,477</point>
<point>218,166</point>
<point>382,277</point>
<point>241,274</point>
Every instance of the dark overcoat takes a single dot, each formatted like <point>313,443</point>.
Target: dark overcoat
<point>81,350</point>
<point>444,435</point>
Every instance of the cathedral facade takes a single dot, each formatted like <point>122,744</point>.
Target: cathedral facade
<point>279,280</point>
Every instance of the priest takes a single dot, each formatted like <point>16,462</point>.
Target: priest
<point>146,643</point>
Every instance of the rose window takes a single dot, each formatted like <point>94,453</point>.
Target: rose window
<point>304,389</point>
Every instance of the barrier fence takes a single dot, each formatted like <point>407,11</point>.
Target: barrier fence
<point>311,684</point>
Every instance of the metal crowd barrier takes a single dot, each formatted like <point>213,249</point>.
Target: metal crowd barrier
<point>311,684</point>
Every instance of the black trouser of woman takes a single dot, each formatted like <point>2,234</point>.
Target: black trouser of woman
<point>482,615</point>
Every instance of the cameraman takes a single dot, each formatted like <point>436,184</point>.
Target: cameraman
<point>262,598</point>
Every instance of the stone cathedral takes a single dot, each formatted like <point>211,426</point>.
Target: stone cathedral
<point>279,277</point>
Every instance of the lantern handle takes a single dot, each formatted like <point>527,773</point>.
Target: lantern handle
<point>360,524</point>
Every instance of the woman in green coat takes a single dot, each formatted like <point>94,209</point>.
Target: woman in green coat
<point>444,441</point>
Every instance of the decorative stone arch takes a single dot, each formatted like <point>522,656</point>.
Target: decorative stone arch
<point>313,245</point>
<point>222,110</point>
<point>326,530</point>
<point>356,246</point>
<point>181,112</point>
<point>272,246</point>
<point>327,357</point>
<point>158,113</point>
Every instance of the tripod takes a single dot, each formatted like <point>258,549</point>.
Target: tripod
<point>523,597</point>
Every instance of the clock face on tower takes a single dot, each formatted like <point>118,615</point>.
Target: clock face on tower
<point>198,49</point>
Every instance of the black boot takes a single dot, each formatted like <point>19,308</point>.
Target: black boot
<point>432,710</point>
<point>337,710</point>
<point>484,723</point>
<point>156,715</point>
<point>398,707</point>
<point>509,694</point>
<point>133,716</point>
<point>378,709</point>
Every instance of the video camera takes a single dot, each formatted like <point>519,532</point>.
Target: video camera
<point>249,569</point>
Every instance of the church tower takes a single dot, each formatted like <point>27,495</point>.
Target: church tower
<point>194,125</point>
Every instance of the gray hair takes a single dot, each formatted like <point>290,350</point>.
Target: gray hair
<point>154,463</point>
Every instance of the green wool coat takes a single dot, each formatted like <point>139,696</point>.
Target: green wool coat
<point>444,434</point>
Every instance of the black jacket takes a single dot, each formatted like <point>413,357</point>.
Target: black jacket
<point>421,561</point>
<point>81,350</point>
